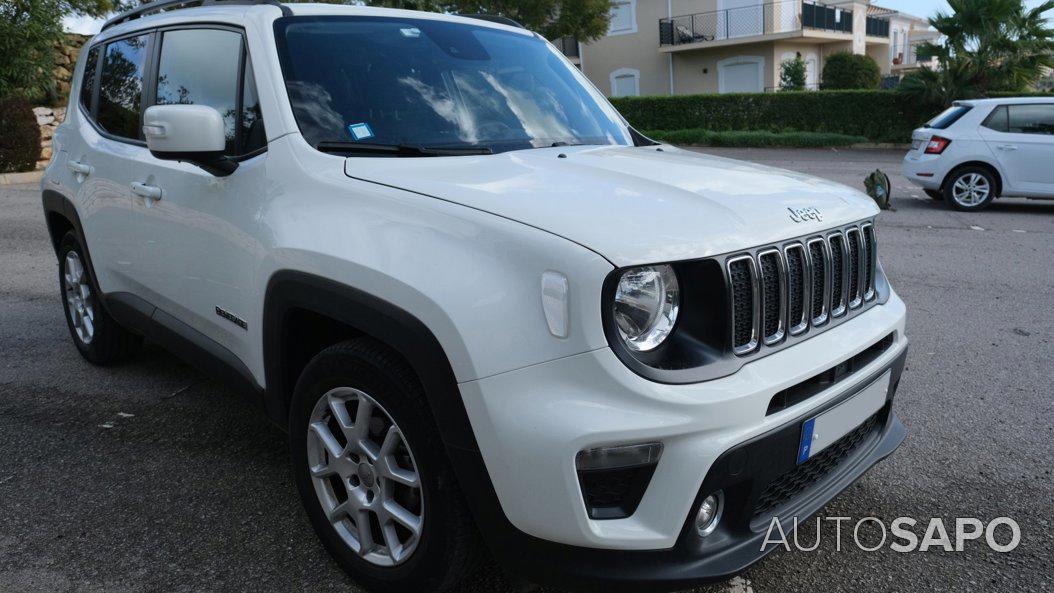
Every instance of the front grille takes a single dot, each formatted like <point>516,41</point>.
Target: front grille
<point>774,293</point>
<point>791,484</point>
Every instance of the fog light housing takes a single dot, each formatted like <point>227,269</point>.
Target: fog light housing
<point>613,479</point>
<point>709,514</point>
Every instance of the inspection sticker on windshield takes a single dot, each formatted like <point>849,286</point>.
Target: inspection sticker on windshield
<point>360,131</point>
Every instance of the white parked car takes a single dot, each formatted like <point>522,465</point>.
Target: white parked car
<point>976,151</point>
<point>483,306</point>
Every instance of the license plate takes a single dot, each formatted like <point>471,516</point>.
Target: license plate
<point>822,431</point>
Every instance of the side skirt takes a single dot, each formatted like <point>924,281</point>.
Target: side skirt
<point>197,349</point>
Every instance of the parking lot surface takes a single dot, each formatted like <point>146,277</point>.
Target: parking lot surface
<point>150,477</point>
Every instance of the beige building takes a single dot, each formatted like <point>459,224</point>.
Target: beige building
<point>661,47</point>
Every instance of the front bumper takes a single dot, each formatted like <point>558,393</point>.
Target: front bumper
<point>530,424</point>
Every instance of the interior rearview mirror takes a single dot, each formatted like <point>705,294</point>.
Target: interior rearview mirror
<point>188,133</point>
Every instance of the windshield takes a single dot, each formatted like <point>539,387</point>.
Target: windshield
<point>435,84</point>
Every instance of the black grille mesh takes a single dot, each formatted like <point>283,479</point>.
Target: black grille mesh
<point>791,484</point>
<point>819,268</point>
<point>742,302</point>
<point>795,286</point>
<point>770,282</point>
<point>837,263</point>
<point>853,238</point>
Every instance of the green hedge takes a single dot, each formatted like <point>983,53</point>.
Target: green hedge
<point>753,139</point>
<point>879,116</point>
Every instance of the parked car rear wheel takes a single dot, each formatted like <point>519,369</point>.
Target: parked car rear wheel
<point>98,337</point>
<point>936,194</point>
<point>970,189</point>
<point>373,475</point>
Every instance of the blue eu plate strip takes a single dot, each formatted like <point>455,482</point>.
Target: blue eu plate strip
<point>805,447</point>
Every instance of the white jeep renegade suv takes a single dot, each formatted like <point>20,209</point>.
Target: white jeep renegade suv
<point>486,309</point>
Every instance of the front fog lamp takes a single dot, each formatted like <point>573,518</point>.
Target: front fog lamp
<point>646,303</point>
<point>708,515</point>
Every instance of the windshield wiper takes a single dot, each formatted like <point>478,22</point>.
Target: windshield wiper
<point>399,149</point>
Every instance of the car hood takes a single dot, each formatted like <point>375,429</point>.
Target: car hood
<point>632,205</point>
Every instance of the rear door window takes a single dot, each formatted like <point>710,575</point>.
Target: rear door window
<point>1031,119</point>
<point>121,87</point>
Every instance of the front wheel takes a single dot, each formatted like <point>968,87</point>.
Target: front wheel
<point>970,189</point>
<point>373,475</point>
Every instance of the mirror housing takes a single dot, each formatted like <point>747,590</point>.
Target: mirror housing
<point>188,133</point>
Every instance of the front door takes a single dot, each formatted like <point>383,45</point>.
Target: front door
<point>198,250</point>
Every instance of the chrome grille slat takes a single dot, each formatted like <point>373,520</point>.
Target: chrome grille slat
<point>773,291</point>
<point>870,260</point>
<point>820,269</point>
<point>798,288</point>
<point>855,265</point>
<point>745,305</point>
<point>839,274</point>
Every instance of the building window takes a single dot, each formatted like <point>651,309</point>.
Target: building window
<point>625,82</point>
<point>623,17</point>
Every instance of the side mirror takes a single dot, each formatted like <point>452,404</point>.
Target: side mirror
<point>189,133</point>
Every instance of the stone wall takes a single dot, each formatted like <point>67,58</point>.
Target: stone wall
<point>49,118</point>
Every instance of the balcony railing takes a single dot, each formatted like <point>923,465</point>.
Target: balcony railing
<point>877,27</point>
<point>568,46</point>
<point>749,21</point>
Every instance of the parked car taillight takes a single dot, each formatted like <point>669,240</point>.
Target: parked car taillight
<point>937,145</point>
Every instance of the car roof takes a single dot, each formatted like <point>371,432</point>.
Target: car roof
<point>235,12</point>
<point>1006,101</point>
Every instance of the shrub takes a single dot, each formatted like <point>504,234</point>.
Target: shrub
<point>19,136</point>
<point>879,116</point>
<point>754,139</point>
<point>792,74</point>
<point>844,70</point>
<point>28,32</point>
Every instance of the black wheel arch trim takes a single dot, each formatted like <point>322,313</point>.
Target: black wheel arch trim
<point>289,290</point>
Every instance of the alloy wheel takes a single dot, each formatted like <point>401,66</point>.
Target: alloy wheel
<point>971,190</point>
<point>78,298</point>
<point>365,476</point>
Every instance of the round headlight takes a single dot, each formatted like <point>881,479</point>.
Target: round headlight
<point>646,303</point>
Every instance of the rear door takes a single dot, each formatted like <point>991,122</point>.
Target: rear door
<point>1022,138</point>
<point>198,249</point>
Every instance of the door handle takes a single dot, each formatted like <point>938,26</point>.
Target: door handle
<point>81,168</point>
<point>1007,147</point>
<point>147,191</point>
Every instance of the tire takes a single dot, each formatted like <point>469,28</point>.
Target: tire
<point>936,194</point>
<point>970,189</point>
<point>98,337</point>
<point>447,549</point>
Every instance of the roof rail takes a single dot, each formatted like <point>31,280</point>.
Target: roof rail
<point>162,5</point>
<point>502,20</point>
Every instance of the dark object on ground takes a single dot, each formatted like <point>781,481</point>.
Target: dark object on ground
<point>879,187</point>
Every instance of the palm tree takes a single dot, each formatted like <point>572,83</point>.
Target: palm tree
<point>988,45</point>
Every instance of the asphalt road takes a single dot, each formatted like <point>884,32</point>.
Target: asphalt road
<point>148,477</point>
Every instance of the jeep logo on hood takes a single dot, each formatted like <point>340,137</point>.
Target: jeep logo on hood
<point>803,214</point>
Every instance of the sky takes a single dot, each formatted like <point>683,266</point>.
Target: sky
<point>922,8</point>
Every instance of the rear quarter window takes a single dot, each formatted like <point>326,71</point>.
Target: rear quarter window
<point>997,120</point>
<point>948,117</point>
<point>91,64</point>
